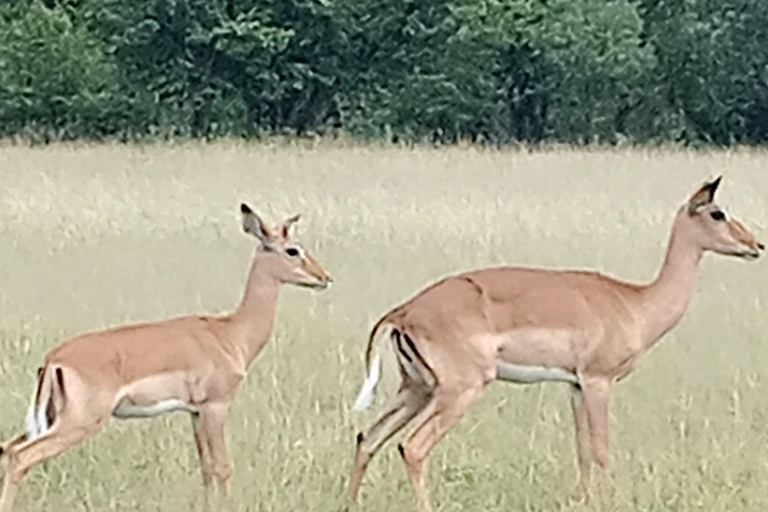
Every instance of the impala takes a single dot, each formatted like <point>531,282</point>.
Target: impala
<point>194,364</point>
<point>455,338</point>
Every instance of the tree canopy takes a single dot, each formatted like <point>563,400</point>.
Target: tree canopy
<point>577,71</point>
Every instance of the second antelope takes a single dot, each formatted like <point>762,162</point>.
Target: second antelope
<point>455,338</point>
<point>193,364</point>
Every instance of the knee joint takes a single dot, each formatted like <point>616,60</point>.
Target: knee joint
<point>365,446</point>
<point>424,390</point>
<point>410,457</point>
<point>222,472</point>
<point>16,475</point>
<point>364,453</point>
<point>602,457</point>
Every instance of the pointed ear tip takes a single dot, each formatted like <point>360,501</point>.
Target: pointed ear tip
<point>244,208</point>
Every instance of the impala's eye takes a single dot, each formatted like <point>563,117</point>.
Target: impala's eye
<point>718,215</point>
<point>292,251</point>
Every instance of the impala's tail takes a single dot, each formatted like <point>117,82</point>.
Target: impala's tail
<point>47,401</point>
<point>414,367</point>
<point>372,365</point>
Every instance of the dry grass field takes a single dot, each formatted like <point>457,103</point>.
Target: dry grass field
<point>97,236</point>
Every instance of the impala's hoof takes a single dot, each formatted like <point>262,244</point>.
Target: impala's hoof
<point>349,506</point>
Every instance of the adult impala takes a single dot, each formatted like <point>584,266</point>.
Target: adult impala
<point>193,364</point>
<point>527,325</point>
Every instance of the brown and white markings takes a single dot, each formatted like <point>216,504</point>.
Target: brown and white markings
<point>455,338</point>
<point>193,364</point>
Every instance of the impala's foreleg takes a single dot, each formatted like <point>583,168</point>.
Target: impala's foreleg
<point>583,441</point>
<point>212,445</point>
<point>596,394</point>
<point>202,451</point>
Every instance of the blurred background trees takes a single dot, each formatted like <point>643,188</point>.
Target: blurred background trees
<point>498,71</point>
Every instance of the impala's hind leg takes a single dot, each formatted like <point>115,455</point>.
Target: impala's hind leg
<point>415,394</point>
<point>24,455</point>
<point>76,414</point>
<point>4,452</point>
<point>427,430</point>
<point>404,407</point>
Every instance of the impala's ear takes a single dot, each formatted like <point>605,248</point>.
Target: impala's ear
<point>286,227</point>
<point>704,196</point>
<point>253,225</point>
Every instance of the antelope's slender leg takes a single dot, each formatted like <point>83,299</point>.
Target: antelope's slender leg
<point>202,451</point>
<point>5,452</point>
<point>212,420</point>
<point>449,408</point>
<point>583,441</point>
<point>597,394</point>
<point>66,434</point>
<point>404,407</point>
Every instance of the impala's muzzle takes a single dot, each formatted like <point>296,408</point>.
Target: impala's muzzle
<point>313,268</point>
<point>754,252</point>
<point>752,247</point>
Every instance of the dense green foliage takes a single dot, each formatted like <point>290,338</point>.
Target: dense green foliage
<point>493,70</point>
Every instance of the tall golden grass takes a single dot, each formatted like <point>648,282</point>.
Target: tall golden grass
<point>93,236</point>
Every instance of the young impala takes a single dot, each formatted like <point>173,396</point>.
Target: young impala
<point>194,364</point>
<point>527,325</point>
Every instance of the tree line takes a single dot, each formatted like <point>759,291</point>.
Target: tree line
<point>578,71</point>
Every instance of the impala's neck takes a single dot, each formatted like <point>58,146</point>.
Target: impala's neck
<point>254,319</point>
<point>666,299</point>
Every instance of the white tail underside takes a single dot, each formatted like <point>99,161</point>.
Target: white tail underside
<point>37,423</point>
<point>365,399</point>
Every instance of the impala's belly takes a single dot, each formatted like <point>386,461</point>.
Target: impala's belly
<point>531,374</point>
<point>528,355</point>
<point>127,409</point>
<point>153,396</point>
<point>538,347</point>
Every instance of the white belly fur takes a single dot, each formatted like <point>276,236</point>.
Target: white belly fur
<point>154,395</point>
<point>126,409</point>
<point>530,374</point>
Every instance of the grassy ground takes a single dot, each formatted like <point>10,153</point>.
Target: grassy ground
<point>92,237</point>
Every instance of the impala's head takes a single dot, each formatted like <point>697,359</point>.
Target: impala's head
<point>715,231</point>
<point>288,261</point>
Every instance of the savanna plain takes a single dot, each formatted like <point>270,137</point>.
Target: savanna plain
<point>94,236</point>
